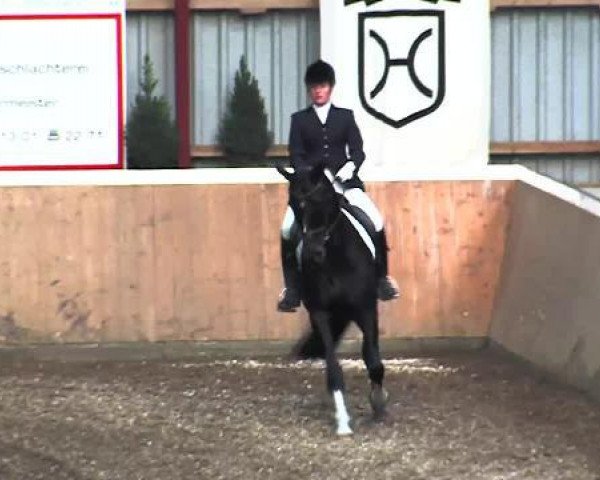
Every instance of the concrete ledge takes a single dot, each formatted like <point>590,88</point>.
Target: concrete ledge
<point>140,351</point>
<point>543,373</point>
<point>547,303</point>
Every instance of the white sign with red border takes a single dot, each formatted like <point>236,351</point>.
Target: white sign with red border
<point>62,102</point>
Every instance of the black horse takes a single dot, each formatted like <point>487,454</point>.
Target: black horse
<point>339,284</point>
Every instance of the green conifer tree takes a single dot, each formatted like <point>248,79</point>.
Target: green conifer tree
<point>243,132</point>
<point>152,137</point>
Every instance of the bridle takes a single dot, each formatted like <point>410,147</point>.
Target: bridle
<point>328,228</point>
<point>305,196</point>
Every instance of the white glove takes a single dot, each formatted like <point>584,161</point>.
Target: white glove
<point>346,172</point>
<point>337,185</point>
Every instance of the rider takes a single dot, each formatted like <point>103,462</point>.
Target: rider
<point>328,135</point>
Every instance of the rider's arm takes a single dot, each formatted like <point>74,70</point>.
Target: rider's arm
<point>355,143</point>
<point>296,146</point>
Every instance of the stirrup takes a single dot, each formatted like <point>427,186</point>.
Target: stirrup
<point>289,300</point>
<point>387,289</point>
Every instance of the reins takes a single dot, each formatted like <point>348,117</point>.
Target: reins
<point>310,193</point>
<point>329,228</point>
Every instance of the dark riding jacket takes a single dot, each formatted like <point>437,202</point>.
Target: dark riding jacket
<point>331,144</point>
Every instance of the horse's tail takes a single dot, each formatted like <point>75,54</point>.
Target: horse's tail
<point>311,346</point>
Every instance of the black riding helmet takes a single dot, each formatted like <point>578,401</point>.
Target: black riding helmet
<point>319,72</point>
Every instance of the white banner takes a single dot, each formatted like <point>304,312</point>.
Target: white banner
<point>61,84</point>
<point>417,75</point>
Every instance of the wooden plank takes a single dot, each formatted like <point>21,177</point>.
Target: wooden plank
<point>448,235</point>
<point>106,249</point>
<point>95,243</point>
<point>442,240</point>
<point>494,4</point>
<point>250,266</point>
<point>244,6</point>
<point>150,5</point>
<point>49,282</point>
<point>71,314</point>
<point>261,6</point>
<point>428,257</point>
<point>397,212</point>
<point>469,260</point>
<point>253,5</point>
<point>164,258</point>
<point>239,251</point>
<point>268,258</point>
<point>531,148</point>
<point>199,151</point>
<point>128,272</point>
<point>144,315</point>
<point>496,148</point>
<point>201,262</point>
<point>214,263</point>
<point>23,272</point>
<point>6,238</point>
<point>201,265</point>
<point>183,283</point>
<point>211,265</point>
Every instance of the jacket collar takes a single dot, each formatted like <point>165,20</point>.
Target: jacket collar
<point>312,108</point>
<point>311,111</point>
<point>322,111</point>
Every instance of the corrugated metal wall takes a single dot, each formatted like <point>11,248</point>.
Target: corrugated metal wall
<point>278,47</point>
<point>546,75</point>
<point>152,34</point>
<point>546,85</point>
<point>545,63</point>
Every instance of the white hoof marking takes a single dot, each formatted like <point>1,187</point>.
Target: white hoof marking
<point>341,414</point>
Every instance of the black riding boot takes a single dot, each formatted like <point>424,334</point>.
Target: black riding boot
<point>289,300</point>
<point>386,288</point>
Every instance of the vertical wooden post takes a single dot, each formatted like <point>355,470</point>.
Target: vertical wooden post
<point>182,79</point>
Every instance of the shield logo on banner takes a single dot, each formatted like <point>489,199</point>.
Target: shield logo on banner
<point>401,65</point>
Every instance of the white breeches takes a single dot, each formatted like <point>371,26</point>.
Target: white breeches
<point>355,196</point>
<point>360,199</point>
<point>288,222</point>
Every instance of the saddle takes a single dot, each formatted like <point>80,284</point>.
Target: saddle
<point>362,223</point>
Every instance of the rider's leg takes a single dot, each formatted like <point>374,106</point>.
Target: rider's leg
<point>289,299</point>
<point>361,200</point>
<point>387,289</point>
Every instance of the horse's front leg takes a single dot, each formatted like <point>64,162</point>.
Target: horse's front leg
<point>368,323</point>
<point>335,377</point>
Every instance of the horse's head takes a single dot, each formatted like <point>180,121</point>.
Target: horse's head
<point>316,207</point>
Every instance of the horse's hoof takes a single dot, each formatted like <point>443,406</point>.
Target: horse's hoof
<point>344,431</point>
<point>378,398</point>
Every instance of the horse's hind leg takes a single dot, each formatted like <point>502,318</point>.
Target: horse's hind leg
<point>368,323</point>
<point>335,376</point>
